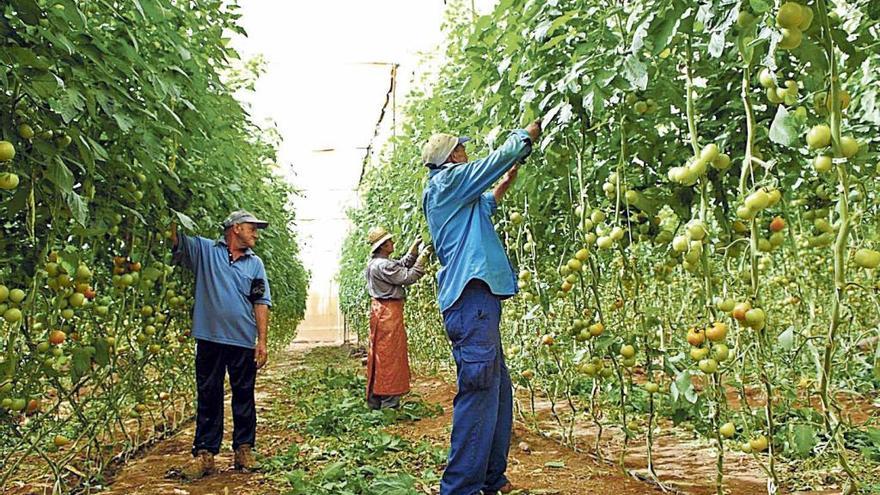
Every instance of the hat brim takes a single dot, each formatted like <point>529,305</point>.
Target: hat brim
<point>381,241</point>
<point>260,224</point>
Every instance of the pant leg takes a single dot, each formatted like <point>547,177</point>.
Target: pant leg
<point>210,375</point>
<point>390,401</point>
<point>374,401</point>
<point>242,377</point>
<point>474,415</point>
<point>472,326</point>
<point>495,477</point>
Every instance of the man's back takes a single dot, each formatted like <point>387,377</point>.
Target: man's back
<point>459,220</point>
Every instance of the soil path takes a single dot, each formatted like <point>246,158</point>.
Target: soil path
<point>145,474</point>
<point>537,465</point>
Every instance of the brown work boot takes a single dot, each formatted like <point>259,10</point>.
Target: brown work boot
<point>507,488</point>
<point>244,459</point>
<point>201,465</point>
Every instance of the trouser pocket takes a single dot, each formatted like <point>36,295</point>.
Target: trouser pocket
<point>477,366</point>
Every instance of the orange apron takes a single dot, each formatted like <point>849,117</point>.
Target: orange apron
<point>387,359</point>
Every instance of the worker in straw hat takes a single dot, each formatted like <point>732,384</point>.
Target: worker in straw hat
<point>474,277</point>
<point>387,359</point>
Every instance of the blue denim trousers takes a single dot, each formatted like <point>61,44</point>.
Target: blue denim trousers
<point>482,414</point>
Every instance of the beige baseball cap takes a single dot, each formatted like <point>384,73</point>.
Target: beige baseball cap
<point>439,147</point>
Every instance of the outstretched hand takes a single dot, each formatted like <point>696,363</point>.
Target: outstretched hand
<point>510,176</point>
<point>426,251</point>
<point>414,247</point>
<point>534,130</point>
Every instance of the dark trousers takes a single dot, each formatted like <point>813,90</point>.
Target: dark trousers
<point>213,360</point>
<point>482,412</point>
<point>383,401</point>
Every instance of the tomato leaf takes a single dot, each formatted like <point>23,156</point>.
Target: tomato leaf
<point>760,6</point>
<point>185,220</point>
<point>28,11</point>
<point>394,484</point>
<point>636,72</point>
<point>803,439</point>
<point>25,57</point>
<point>683,387</point>
<point>77,206</point>
<point>81,361</point>
<point>69,104</point>
<point>786,338</point>
<point>60,175</point>
<point>784,129</point>
<point>665,26</point>
<point>102,352</point>
<point>45,84</point>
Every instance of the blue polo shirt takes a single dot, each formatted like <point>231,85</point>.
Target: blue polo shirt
<point>459,219</point>
<point>226,291</point>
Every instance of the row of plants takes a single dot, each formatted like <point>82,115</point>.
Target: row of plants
<point>345,448</point>
<point>117,119</point>
<point>696,232</point>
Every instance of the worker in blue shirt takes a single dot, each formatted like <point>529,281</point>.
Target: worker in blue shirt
<point>475,276</point>
<point>230,325</point>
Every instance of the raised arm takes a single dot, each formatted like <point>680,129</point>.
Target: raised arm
<point>412,254</point>
<point>469,180</point>
<point>185,250</point>
<point>506,182</point>
<point>396,273</point>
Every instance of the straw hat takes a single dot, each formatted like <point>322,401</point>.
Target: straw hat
<point>376,237</point>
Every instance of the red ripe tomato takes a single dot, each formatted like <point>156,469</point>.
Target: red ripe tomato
<point>57,337</point>
<point>696,337</point>
<point>739,311</point>
<point>777,224</point>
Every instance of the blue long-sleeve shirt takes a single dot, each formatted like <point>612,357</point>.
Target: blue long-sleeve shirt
<point>459,219</point>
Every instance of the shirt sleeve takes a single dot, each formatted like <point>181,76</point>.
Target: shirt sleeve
<point>261,295</point>
<point>188,251</point>
<point>409,260</point>
<point>395,273</point>
<point>469,180</point>
<point>487,201</point>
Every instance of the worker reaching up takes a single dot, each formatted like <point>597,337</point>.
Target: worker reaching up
<point>475,276</point>
<point>387,359</point>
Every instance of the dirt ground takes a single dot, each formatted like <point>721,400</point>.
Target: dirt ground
<point>537,465</point>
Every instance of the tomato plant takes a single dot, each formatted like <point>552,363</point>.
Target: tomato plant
<point>696,231</point>
<point>116,120</point>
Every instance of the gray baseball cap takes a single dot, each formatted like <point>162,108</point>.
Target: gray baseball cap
<point>242,216</point>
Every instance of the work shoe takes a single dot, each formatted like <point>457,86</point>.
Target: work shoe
<point>244,459</point>
<point>201,465</point>
<point>507,488</point>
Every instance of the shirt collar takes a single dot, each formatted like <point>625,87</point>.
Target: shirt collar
<point>222,241</point>
<point>446,166</point>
